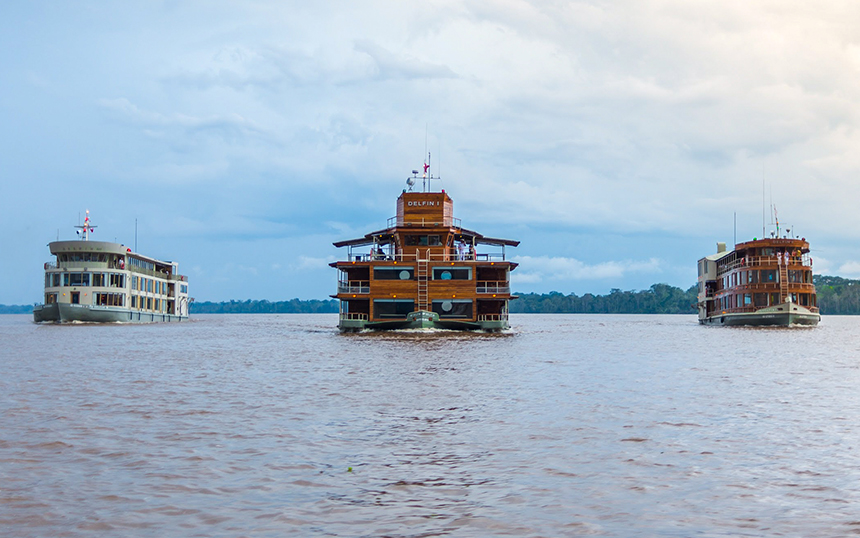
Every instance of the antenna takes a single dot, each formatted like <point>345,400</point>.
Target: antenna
<point>736,229</point>
<point>135,235</point>
<point>762,201</point>
<point>86,228</point>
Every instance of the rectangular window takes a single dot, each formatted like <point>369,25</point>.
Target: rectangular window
<point>453,309</point>
<point>392,308</point>
<point>747,299</point>
<point>79,279</point>
<point>394,272</point>
<point>768,276</point>
<point>55,279</point>
<point>99,279</point>
<point>760,299</point>
<point>452,273</point>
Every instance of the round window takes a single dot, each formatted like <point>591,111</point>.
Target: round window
<point>446,275</point>
<point>404,275</point>
<point>447,306</point>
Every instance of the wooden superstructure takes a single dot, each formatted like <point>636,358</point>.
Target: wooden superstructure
<point>424,270</point>
<point>760,282</point>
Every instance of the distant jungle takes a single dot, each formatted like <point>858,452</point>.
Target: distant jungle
<point>836,295</point>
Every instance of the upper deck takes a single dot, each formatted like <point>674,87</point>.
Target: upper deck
<point>424,227</point>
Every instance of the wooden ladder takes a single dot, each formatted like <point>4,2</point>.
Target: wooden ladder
<point>422,283</point>
<point>783,282</point>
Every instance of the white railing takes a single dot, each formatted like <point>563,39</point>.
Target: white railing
<point>448,221</point>
<point>493,317</point>
<point>353,316</point>
<point>500,286</point>
<point>436,256</point>
<point>353,286</point>
<point>754,262</point>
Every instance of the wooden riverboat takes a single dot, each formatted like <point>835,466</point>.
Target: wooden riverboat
<point>424,270</point>
<point>760,282</point>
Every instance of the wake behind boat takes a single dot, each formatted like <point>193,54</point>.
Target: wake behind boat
<point>98,281</point>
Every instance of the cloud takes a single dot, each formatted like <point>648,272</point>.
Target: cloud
<point>540,269</point>
<point>390,66</point>
<point>229,126</point>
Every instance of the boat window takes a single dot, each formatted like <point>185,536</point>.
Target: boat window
<point>117,280</point>
<point>392,308</point>
<point>423,240</point>
<point>453,308</point>
<point>761,299</point>
<point>50,298</point>
<point>55,279</point>
<point>768,276</point>
<point>452,273</point>
<point>747,299</point>
<point>79,279</point>
<point>394,272</point>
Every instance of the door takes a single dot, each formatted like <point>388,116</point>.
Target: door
<point>76,297</point>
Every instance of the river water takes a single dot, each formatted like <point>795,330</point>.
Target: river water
<point>571,425</point>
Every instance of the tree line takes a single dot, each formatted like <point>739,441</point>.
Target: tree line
<point>836,295</point>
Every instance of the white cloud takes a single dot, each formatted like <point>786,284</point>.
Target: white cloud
<point>541,269</point>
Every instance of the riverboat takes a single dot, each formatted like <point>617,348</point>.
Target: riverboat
<point>99,281</point>
<point>760,282</point>
<point>424,270</point>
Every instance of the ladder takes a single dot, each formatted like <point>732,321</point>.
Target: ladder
<point>421,274</point>
<point>783,282</point>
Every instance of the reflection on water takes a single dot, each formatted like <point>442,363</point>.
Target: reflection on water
<point>277,425</point>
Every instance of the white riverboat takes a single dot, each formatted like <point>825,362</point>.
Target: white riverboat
<point>99,281</point>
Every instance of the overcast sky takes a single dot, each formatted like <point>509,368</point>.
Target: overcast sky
<point>615,139</point>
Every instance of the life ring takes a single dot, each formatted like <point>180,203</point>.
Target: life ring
<point>46,265</point>
<point>121,263</point>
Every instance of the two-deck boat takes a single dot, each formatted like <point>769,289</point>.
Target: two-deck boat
<point>424,270</point>
<point>760,282</point>
<point>99,281</point>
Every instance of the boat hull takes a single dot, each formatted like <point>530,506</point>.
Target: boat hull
<point>423,320</point>
<point>65,313</point>
<point>784,315</point>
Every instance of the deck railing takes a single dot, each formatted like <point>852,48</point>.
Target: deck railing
<point>446,221</point>
<point>437,256</point>
<point>353,316</point>
<point>767,287</point>
<point>500,286</point>
<point>353,286</point>
<point>755,261</point>
<point>493,317</point>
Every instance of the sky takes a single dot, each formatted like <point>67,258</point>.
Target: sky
<point>619,141</point>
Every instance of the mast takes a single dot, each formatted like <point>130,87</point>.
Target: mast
<point>87,228</point>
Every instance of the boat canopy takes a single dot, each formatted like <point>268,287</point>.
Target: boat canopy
<point>384,237</point>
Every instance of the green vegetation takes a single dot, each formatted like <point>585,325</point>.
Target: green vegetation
<point>295,306</point>
<point>658,299</point>
<point>836,295</point>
